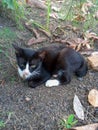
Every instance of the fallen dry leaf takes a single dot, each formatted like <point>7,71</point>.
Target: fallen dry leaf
<point>90,35</point>
<point>78,108</point>
<point>87,52</point>
<point>35,41</point>
<point>79,18</point>
<point>46,33</point>
<point>27,1</point>
<point>80,43</point>
<point>54,15</point>
<point>93,61</point>
<point>35,33</point>
<point>86,6</point>
<point>88,127</point>
<point>88,46</point>
<point>93,97</point>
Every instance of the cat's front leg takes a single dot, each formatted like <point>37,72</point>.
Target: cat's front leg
<point>63,77</point>
<point>32,84</point>
<point>52,83</point>
<point>37,82</point>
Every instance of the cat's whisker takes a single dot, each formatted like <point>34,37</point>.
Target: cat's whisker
<point>35,73</point>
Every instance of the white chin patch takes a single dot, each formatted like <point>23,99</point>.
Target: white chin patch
<point>24,74</point>
<point>52,82</point>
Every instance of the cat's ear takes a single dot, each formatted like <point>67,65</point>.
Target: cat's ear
<point>18,50</point>
<point>42,54</point>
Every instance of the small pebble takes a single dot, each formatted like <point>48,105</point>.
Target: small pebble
<point>27,99</point>
<point>80,79</point>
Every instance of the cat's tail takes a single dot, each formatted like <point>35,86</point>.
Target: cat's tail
<point>83,69</point>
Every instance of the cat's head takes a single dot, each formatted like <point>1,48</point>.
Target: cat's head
<point>29,62</point>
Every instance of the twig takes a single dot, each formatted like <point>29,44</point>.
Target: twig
<point>35,41</point>
<point>44,32</point>
<point>32,30</point>
<point>35,33</point>
<point>39,27</point>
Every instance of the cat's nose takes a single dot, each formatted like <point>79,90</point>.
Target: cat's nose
<point>26,73</point>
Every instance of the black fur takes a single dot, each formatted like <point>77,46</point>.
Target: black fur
<point>54,59</point>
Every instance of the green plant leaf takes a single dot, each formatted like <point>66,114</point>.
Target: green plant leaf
<point>68,126</point>
<point>0,51</point>
<point>74,122</point>
<point>70,119</point>
<point>2,124</point>
<point>8,3</point>
<point>69,122</point>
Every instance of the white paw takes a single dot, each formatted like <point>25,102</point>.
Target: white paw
<point>52,82</point>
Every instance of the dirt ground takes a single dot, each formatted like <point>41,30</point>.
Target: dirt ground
<point>24,108</point>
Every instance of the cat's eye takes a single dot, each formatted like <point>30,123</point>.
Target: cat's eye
<point>33,66</point>
<point>22,66</point>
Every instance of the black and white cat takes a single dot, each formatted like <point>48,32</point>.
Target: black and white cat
<point>38,66</point>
